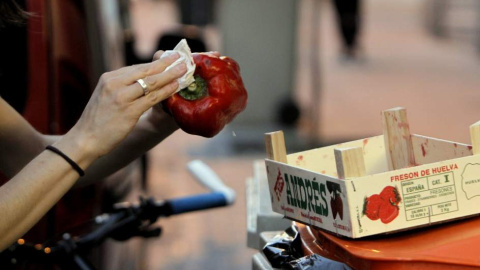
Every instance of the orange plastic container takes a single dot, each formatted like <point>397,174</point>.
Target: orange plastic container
<point>446,246</point>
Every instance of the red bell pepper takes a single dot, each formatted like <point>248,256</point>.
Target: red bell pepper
<point>215,98</point>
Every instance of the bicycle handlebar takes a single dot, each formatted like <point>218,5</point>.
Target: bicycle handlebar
<point>198,202</point>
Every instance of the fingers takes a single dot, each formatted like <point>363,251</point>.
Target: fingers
<point>159,80</point>
<point>161,60</point>
<point>154,76</point>
<point>212,53</point>
<point>130,74</point>
<point>156,82</point>
<point>144,103</point>
<point>160,54</point>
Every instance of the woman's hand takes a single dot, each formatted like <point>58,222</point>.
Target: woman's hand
<point>118,102</point>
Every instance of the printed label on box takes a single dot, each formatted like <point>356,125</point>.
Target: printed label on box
<point>429,196</point>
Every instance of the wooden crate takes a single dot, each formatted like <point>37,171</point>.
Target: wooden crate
<point>387,183</point>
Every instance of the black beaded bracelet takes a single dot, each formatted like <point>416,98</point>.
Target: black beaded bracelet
<point>69,160</point>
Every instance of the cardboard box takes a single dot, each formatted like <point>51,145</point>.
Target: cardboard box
<point>377,185</point>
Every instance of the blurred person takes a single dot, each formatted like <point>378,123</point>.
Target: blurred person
<point>122,120</point>
<point>348,14</point>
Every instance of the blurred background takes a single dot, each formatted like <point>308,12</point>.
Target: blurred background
<point>322,71</point>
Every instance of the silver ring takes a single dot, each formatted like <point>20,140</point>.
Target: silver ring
<point>143,85</point>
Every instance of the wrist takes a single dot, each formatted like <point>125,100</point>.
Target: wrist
<point>70,161</point>
<point>77,149</point>
<point>160,121</point>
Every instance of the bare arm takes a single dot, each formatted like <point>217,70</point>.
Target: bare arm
<point>37,187</point>
<point>151,129</point>
<point>40,178</point>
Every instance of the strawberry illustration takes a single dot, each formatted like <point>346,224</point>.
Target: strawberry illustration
<point>371,206</point>
<point>333,207</point>
<point>336,204</point>
<point>388,212</point>
<point>339,206</point>
<point>391,194</point>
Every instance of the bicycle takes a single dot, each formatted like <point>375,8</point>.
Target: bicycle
<point>126,221</point>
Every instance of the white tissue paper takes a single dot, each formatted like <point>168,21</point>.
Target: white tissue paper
<point>186,57</point>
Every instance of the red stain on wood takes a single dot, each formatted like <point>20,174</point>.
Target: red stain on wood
<point>403,125</point>
<point>470,147</point>
<point>365,141</point>
<point>299,160</point>
<point>424,152</point>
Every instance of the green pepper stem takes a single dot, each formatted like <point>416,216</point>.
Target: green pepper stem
<point>196,90</point>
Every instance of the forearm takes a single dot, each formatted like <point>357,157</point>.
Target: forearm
<point>25,199</point>
<point>150,130</point>
<point>148,133</point>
